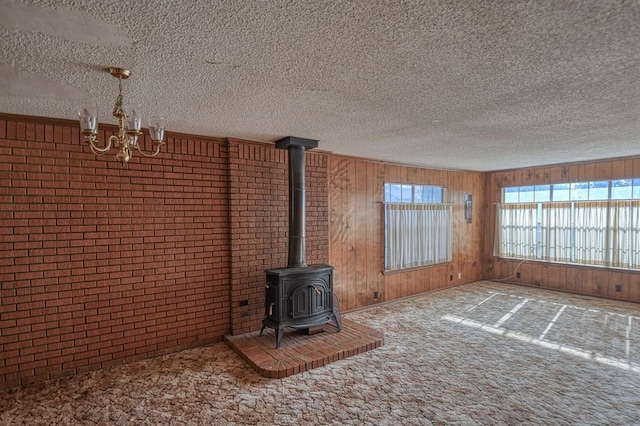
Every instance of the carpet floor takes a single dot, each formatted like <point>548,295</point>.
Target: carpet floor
<point>483,353</point>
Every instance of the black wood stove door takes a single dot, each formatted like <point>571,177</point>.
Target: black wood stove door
<point>309,299</point>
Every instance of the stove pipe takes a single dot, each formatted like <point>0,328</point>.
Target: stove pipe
<point>297,245</point>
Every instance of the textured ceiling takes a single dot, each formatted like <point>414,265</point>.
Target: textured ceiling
<point>479,85</point>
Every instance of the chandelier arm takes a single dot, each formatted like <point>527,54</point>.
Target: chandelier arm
<point>96,149</point>
<point>153,154</point>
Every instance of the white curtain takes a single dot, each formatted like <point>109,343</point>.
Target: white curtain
<point>557,232</point>
<point>619,233</point>
<point>591,232</point>
<point>417,235</point>
<point>516,230</point>
<point>634,235</point>
<point>604,233</point>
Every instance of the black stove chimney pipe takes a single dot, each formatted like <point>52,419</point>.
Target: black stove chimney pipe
<point>297,245</point>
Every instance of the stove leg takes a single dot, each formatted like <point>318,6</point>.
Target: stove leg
<point>336,312</point>
<point>336,319</point>
<point>262,329</point>
<point>278,337</point>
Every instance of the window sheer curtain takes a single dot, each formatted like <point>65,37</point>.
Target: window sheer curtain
<point>516,230</point>
<point>591,232</point>
<point>604,233</point>
<point>556,232</point>
<point>619,233</point>
<point>624,234</point>
<point>634,237</point>
<point>417,235</point>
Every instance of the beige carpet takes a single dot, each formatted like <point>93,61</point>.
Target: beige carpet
<point>484,353</point>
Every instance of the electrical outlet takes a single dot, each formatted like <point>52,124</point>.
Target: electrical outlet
<point>450,277</point>
<point>375,294</point>
<point>618,288</point>
<point>459,275</point>
<point>517,274</point>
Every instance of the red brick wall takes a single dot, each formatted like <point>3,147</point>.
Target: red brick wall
<point>102,263</point>
<point>259,189</point>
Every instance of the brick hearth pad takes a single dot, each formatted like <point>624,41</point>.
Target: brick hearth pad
<point>299,352</point>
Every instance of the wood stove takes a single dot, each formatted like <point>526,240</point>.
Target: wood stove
<point>298,295</point>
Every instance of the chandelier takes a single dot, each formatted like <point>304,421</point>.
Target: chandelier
<point>129,126</point>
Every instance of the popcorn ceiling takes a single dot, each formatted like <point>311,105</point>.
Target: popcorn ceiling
<point>478,85</point>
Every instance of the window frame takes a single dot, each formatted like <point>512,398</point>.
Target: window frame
<point>622,197</point>
<point>436,197</point>
<point>440,193</point>
<point>595,190</point>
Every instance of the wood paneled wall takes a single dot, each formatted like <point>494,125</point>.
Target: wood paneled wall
<point>595,281</point>
<point>356,230</point>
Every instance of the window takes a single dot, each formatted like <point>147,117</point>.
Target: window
<point>590,223</point>
<point>417,226</point>
<point>412,194</point>
<point>621,189</point>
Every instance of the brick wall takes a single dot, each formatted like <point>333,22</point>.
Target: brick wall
<point>102,263</point>
<point>259,189</point>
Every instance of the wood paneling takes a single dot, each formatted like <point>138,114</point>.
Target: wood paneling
<point>594,281</point>
<point>356,230</point>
